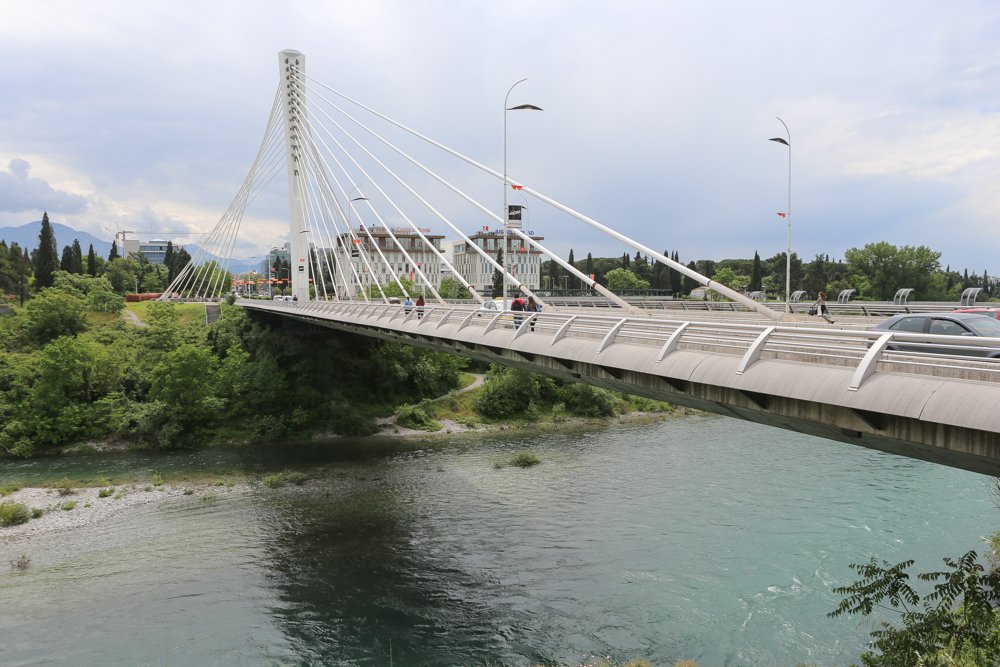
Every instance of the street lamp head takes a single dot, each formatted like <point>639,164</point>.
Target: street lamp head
<point>524,106</point>
<point>780,141</point>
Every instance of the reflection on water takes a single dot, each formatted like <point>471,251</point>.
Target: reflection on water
<point>702,538</point>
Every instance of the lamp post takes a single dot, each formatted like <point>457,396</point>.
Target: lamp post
<point>506,211</point>
<point>788,218</point>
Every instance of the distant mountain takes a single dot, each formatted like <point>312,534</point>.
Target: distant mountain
<point>26,236</point>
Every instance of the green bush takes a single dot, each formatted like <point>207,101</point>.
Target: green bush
<point>416,417</point>
<point>510,392</point>
<point>12,514</point>
<point>68,505</point>
<point>278,480</point>
<point>525,459</point>
<point>587,401</point>
<point>104,493</point>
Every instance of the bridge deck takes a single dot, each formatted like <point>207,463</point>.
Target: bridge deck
<point>839,383</point>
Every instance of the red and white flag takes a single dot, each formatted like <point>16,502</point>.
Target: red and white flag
<point>782,215</point>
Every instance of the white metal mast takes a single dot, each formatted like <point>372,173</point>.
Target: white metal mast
<point>291,67</point>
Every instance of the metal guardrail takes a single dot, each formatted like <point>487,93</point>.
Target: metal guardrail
<point>865,351</point>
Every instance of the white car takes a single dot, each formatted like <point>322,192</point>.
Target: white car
<point>494,306</point>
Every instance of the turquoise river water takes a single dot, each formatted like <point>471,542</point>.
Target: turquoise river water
<point>701,538</point>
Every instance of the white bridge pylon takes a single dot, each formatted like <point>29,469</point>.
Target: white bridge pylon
<point>352,188</point>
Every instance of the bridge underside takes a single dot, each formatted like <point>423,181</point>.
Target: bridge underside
<point>859,419</point>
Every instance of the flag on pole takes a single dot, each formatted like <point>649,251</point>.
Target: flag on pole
<point>782,215</point>
<point>486,228</point>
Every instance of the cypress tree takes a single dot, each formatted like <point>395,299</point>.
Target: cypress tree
<point>91,261</point>
<point>690,283</point>
<point>676,284</point>
<point>77,266</point>
<point>114,251</point>
<point>168,261</point>
<point>571,263</point>
<point>498,277</point>
<point>46,256</point>
<point>755,277</point>
<point>66,263</point>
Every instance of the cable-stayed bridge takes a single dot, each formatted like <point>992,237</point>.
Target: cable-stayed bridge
<point>361,200</point>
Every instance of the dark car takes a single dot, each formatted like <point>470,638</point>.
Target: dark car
<point>944,324</point>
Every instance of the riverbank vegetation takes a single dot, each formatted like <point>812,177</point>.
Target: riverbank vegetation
<point>79,367</point>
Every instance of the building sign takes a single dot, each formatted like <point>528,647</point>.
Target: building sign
<point>514,216</point>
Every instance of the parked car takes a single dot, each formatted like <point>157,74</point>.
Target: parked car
<point>944,324</point>
<point>494,306</point>
<point>989,312</point>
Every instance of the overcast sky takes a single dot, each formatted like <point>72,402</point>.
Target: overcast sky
<point>146,115</point>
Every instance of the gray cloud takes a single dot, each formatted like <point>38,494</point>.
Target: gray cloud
<point>656,120</point>
<point>22,193</point>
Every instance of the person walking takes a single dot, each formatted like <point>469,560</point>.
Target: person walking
<point>533,307</point>
<point>517,305</point>
<point>819,308</point>
<point>420,306</point>
<point>407,305</point>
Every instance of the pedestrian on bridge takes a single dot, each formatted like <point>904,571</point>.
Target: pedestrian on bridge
<point>819,308</point>
<point>407,305</point>
<point>517,305</point>
<point>533,307</point>
<point>420,306</point>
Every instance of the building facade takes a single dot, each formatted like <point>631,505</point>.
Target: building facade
<point>155,251</point>
<point>399,265</point>
<point>522,260</point>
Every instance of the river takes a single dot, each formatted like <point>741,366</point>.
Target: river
<point>701,538</point>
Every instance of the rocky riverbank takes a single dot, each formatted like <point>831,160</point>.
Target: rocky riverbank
<point>59,509</point>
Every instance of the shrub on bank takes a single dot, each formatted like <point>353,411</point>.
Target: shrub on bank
<point>12,514</point>
<point>416,417</point>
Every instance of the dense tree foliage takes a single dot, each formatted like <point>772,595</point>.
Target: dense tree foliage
<point>874,272</point>
<point>956,623</point>
<point>69,373</point>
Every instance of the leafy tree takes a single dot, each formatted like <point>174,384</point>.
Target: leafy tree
<point>956,624</point>
<point>55,313</point>
<point>623,279</point>
<point>122,273</point>
<point>882,268</point>
<point>452,288</point>
<point>392,289</point>
<point>46,257</point>
<point>185,379</point>
<point>728,277</point>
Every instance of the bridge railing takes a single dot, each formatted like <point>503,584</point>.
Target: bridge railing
<point>865,351</point>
